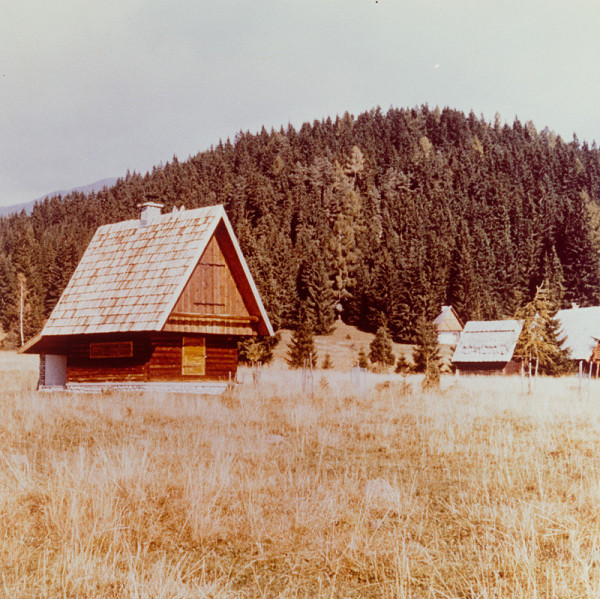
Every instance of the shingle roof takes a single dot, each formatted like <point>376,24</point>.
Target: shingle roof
<point>488,341</point>
<point>581,329</point>
<point>131,276</point>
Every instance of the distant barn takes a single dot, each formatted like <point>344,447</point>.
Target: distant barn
<point>487,347</point>
<point>156,302</point>
<point>449,326</point>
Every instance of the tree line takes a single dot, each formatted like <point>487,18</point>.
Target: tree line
<point>380,219</point>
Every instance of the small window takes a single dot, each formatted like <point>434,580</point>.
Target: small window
<point>193,356</point>
<point>112,349</point>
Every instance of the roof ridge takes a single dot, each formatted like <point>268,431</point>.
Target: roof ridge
<point>165,216</point>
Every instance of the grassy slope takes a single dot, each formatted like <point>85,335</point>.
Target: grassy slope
<point>343,345</point>
<point>474,491</point>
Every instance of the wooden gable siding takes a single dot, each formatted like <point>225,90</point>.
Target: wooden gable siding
<point>154,358</point>
<point>450,323</point>
<point>212,301</point>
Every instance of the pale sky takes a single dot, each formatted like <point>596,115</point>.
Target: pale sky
<point>91,89</point>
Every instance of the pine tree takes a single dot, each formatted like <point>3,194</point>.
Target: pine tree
<point>539,341</point>
<point>426,354</point>
<point>402,365</point>
<point>380,349</point>
<point>362,361</point>
<point>8,296</point>
<point>342,252</point>
<point>327,362</point>
<point>302,346</point>
<point>315,289</point>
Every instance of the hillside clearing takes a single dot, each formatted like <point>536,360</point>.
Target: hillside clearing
<point>343,345</point>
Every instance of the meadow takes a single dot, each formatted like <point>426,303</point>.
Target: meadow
<point>476,490</point>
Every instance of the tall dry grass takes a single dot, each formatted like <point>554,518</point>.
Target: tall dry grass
<point>478,490</point>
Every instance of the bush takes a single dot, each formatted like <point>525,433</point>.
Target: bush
<point>258,349</point>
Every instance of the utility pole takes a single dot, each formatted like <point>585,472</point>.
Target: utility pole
<point>21,302</point>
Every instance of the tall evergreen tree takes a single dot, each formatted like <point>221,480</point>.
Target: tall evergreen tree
<point>539,341</point>
<point>302,348</point>
<point>426,354</point>
<point>315,291</point>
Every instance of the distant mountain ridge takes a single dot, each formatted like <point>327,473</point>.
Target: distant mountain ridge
<point>85,189</point>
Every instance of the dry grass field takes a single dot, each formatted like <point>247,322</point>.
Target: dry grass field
<point>478,490</point>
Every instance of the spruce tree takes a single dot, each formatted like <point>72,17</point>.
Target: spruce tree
<point>327,362</point>
<point>539,341</point>
<point>380,349</point>
<point>315,290</point>
<point>362,361</point>
<point>426,354</point>
<point>302,346</point>
<point>402,365</point>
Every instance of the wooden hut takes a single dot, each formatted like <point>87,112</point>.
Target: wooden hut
<point>487,347</point>
<point>156,302</point>
<point>449,326</point>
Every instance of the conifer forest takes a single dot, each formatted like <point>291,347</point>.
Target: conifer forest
<point>381,218</point>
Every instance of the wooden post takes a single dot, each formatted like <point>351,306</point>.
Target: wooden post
<point>522,373</point>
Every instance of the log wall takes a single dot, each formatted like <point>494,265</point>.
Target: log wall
<point>154,358</point>
<point>512,367</point>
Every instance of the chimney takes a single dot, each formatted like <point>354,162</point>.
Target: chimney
<point>150,212</point>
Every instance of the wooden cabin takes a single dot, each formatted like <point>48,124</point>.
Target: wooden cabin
<point>156,302</point>
<point>487,347</point>
<point>449,326</point>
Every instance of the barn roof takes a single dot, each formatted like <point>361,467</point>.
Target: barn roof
<point>131,275</point>
<point>580,328</point>
<point>488,341</point>
<point>448,320</point>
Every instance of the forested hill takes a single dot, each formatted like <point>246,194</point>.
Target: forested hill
<point>390,214</point>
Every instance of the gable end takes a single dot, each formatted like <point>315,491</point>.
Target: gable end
<point>217,298</point>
